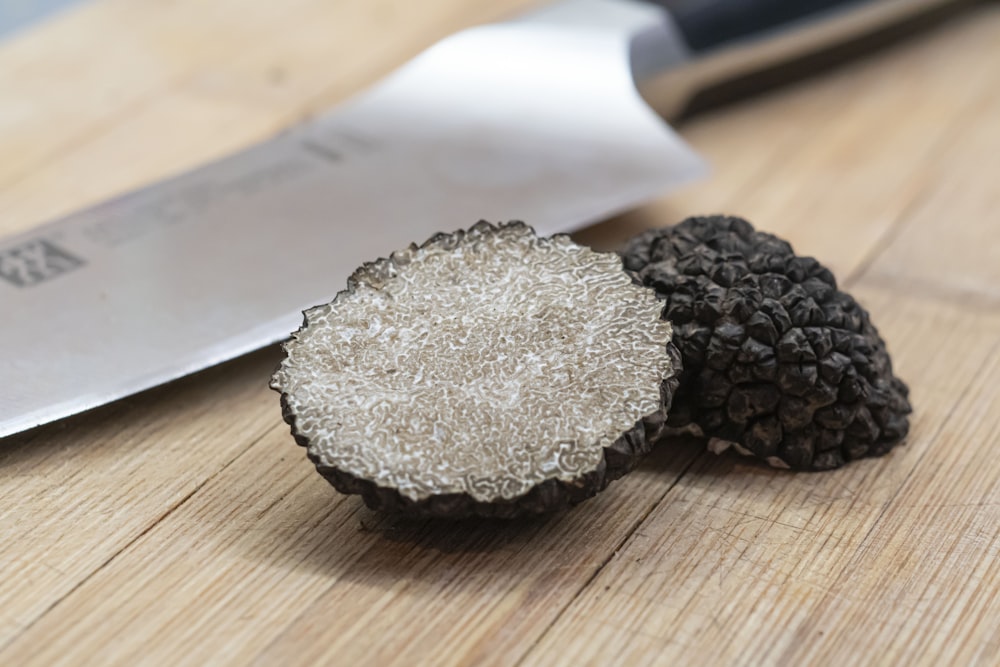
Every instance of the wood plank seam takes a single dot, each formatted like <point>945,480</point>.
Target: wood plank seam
<point>935,291</point>
<point>830,592</point>
<point>945,139</point>
<point>885,240</point>
<point>300,619</point>
<point>990,359</point>
<point>959,400</point>
<point>125,547</point>
<point>610,556</point>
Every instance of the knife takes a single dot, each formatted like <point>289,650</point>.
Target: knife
<point>547,118</point>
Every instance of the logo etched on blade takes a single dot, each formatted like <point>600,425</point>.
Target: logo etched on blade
<point>35,262</point>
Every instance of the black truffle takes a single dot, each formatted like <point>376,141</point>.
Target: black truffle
<point>487,372</point>
<point>777,361</point>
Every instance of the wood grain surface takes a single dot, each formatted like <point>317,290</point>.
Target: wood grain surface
<point>184,527</point>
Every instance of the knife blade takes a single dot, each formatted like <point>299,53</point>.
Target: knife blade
<point>538,119</point>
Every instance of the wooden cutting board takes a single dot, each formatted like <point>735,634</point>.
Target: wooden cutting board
<point>183,526</point>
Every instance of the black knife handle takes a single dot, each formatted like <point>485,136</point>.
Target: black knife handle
<point>710,24</point>
<point>680,47</point>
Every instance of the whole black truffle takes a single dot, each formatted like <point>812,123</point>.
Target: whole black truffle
<point>777,361</point>
<point>486,372</point>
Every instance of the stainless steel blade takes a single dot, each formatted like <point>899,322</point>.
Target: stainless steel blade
<point>530,121</point>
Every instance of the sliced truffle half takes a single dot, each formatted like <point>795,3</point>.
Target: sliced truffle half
<point>778,362</point>
<point>487,372</point>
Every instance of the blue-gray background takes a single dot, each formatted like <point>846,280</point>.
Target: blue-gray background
<point>17,14</point>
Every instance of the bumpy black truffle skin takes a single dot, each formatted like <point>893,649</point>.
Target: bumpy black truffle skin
<point>775,358</point>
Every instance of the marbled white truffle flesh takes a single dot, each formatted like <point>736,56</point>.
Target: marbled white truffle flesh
<point>487,372</point>
<point>776,360</point>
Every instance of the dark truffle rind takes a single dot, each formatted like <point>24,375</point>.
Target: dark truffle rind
<point>398,388</point>
<point>776,359</point>
<point>550,496</point>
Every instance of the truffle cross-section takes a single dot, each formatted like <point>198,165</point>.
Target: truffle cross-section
<point>486,372</point>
